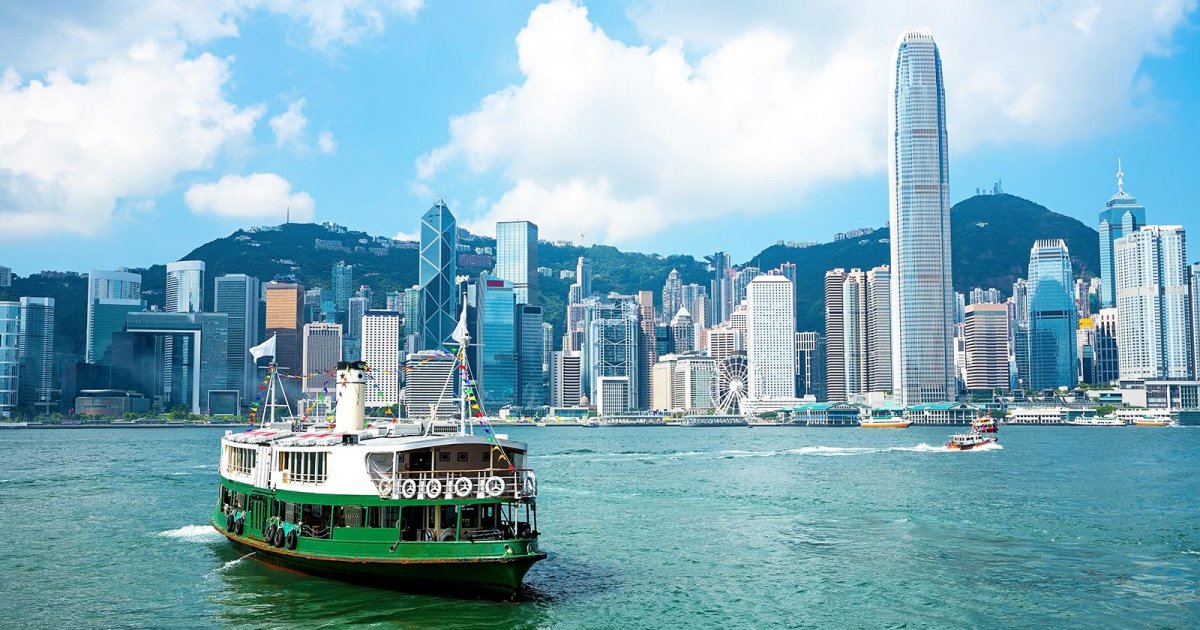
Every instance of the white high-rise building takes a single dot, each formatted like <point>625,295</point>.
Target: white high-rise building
<point>565,379</point>
<point>185,287</point>
<point>1153,302</point>
<point>879,329</point>
<point>985,339</point>
<point>919,178</point>
<point>383,350</point>
<point>771,338</point>
<point>428,385</point>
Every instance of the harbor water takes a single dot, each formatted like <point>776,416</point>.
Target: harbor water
<point>652,528</point>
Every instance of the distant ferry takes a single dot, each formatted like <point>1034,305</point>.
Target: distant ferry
<point>1097,422</point>
<point>895,422</point>
<point>1145,417</point>
<point>984,424</point>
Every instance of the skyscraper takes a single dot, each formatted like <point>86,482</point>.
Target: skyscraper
<point>531,386</point>
<point>1106,358</point>
<point>672,295</point>
<point>854,332</point>
<point>517,258</point>
<point>285,318</point>
<point>835,351</point>
<point>919,178</point>
<point>5,276</point>
<point>111,295</point>
<point>771,338</point>
<point>611,362</point>
<point>10,362</point>
<point>1052,317</point>
<point>237,295</point>
<point>439,244</point>
<point>322,351</point>
<point>564,379</point>
<point>185,287</point>
<point>1154,325</point>
<point>683,334</point>
<point>647,349</point>
<point>383,351</point>
<point>985,329</point>
<point>810,365</point>
<point>583,277</point>
<point>343,285</point>
<point>36,351</point>
<point>879,329</point>
<point>1121,215</point>
<point>495,338</point>
<point>1194,279</point>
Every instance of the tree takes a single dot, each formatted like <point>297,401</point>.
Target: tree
<point>1105,410</point>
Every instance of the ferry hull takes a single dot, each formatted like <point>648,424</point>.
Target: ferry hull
<point>886,425</point>
<point>455,577</point>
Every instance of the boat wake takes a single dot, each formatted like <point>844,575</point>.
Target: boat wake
<point>234,562</point>
<point>193,533</point>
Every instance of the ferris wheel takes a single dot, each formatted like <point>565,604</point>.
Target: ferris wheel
<point>733,384</point>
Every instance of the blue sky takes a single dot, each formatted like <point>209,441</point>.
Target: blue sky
<point>654,125</point>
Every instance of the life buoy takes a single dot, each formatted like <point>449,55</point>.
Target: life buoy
<point>290,540</point>
<point>493,486</point>
<point>462,486</point>
<point>277,539</point>
<point>240,525</point>
<point>433,488</point>
<point>529,487</point>
<point>229,521</point>
<point>446,535</point>
<point>385,488</point>
<point>408,488</point>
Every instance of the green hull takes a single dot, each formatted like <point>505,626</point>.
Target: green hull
<point>455,569</point>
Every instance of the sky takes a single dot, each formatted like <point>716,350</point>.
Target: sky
<point>134,131</point>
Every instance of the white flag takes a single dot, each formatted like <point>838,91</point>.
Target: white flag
<point>460,331</point>
<point>264,349</point>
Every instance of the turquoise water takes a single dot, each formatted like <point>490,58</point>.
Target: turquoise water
<point>656,527</point>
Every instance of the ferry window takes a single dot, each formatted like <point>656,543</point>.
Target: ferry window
<point>315,521</point>
<point>411,519</point>
<point>485,456</point>
<point>304,467</point>
<point>239,461</point>
<point>444,456</point>
<point>470,516</point>
<point>349,516</point>
<point>400,457</point>
<point>463,455</point>
<point>387,516</point>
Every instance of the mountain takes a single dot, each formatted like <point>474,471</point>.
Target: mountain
<point>992,235</point>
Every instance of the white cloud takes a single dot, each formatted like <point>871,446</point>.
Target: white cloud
<point>325,142</point>
<point>289,126</point>
<point>407,236</point>
<point>70,149</point>
<point>258,196</point>
<point>334,23</point>
<point>739,108</point>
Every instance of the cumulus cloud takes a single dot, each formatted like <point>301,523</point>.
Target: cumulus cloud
<point>257,196</point>
<point>71,149</point>
<point>325,142</point>
<point>744,108</point>
<point>333,23</point>
<point>288,127</point>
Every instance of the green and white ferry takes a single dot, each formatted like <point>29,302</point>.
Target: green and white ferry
<point>426,506</point>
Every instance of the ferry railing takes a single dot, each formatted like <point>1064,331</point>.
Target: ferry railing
<point>459,484</point>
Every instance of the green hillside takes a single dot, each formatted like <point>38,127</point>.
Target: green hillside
<point>990,240</point>
<point>992,235</point>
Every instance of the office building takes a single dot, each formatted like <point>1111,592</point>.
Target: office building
<point>611,363</point>
<point>517,258</point>
<point>565,378</point>
<point>429,389</point>
<point>648,348</point>
<point>383,351</point>
<point>5,277</point>
<point>285,320</point>
<point>878,291</point>
<point>810,365</point>
<point>1122,215</point>
<point>439,245</point>
<point>36,353</point>
<point>854,333</point>
<point>835,336</point>
<point>985,335</point>
<point>531,383</point>
<point>919,178</point>
<point>343,284</point>
<point>1154,327</point>
<point>322,352</point>
<point>771,338</point>
<point>495,343</point>
<point>684,383</point>
<point>189,374</point>
<point>238,296</point>
<point>185,287</point>
<point>1106,356</point>
<point>683,333</point>
<point>672,294</point>
<point>394,301</point>
<point>111,295</point>
<point>583,278</point>
<point>10,358</point>
<point>1052,317</point>
<point>1194,279</point>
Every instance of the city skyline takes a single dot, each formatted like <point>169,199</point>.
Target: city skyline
<point>292,141</point>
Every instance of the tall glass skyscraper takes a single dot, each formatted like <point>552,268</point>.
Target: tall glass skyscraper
<point>517,258</point>
<point>185,286</point>
<point>343,282</point>
<point>1121,215</point>
<point>237,295</point>
<point>439,244</point>
<point>496,342</point>
<point>531,383</point>
<point>10,329</point>
<point>919,178</point>
<point>1052,317</point>
<point>37,353</point>
<point>111,294</point>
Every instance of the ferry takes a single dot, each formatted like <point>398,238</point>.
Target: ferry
<point>984,424</point>
<point>1091,421</point>
<point>894,422</point>
<point>428,506</point>
<point>969,440</point>
<point>1145,417</point>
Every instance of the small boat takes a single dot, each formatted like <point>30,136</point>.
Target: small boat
<point>984,424</point>
<point>591,422</point>
<point>885,423</point>
<point>969,440</point>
